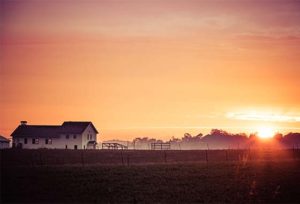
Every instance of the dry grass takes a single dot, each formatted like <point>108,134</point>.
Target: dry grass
<point>238,180</point>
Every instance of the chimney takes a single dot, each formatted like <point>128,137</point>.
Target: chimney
<point>23,122</point>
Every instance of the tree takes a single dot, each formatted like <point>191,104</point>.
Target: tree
<point>278,136</point>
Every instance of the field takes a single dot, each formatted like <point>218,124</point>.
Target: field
<point>236,176</point>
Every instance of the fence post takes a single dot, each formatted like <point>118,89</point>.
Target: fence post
<point>82,158</point>
<point>122,156</point>
<point>297,156</point>
<point>127,159</point>
<point>226,155</point>
<point>40,158</point>
<point>206,153</point>
<point>293,151</point>
<point>249,154</point>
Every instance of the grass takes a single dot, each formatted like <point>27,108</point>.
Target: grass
<point>235,181</point>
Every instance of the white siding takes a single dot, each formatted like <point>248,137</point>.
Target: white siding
<point>4,145</point>
<point>71,142</point>
<point>57,143</point>
<point>88,134</point>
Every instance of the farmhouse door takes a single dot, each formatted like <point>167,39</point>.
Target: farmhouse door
<point>20,145</point>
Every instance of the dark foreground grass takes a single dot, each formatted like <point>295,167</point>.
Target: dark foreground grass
<point>238,182</point>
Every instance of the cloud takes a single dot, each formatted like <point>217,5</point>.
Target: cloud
<point>257,116</point>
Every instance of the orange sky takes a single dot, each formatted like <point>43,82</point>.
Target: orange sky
<point>151,68</point>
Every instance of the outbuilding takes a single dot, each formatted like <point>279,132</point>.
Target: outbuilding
<point>4,142</point>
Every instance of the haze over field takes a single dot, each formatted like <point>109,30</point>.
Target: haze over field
<point>151,68</point>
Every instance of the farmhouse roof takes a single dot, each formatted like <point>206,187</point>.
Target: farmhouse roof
<point>3,139</point>
<point>40,131</point>
<point>45,131</point>
<point>76,127</point>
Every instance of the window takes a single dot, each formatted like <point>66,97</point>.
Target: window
<point>75,146</point>
<point>67,136</point>
<point>89,136</point>
<point>35,141</point>
<point>25,140</point>
<point>48,141</point>
<point>74,136</point>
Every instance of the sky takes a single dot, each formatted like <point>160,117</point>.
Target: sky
<point>151,68</point>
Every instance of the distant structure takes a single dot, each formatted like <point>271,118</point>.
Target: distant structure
<point>161,146</point>
<point>114,146</point>
<point>4,142</point>
<point>69,135</point>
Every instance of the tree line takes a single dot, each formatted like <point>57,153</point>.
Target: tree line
<point>216,139</point>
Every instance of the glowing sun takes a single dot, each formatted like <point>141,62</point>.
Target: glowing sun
<point>265,132</point>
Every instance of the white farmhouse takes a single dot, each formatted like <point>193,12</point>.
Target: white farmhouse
<point>69,135</point>
<point>4,143</point>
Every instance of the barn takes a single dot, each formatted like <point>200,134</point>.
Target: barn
<point>69,135</point>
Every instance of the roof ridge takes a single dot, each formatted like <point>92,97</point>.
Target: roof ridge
<point>41,125</point>
<point>77,121</point>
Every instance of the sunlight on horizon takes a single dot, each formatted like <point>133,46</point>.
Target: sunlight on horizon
<point>265,132</point>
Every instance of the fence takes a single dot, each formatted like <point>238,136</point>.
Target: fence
<point>113,146</point>
<point>44,157</point>
<point>161,146</point>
